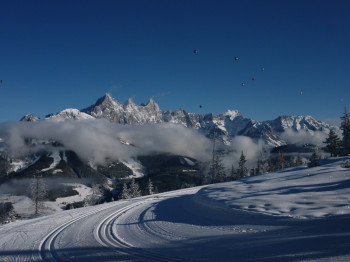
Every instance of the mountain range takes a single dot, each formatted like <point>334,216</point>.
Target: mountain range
<point>225,126</point>
<point>57,159</point>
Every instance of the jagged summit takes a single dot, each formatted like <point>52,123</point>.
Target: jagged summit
<point>152,104</point>
<point>130,102</point>
<point>29,118</point>
<point>232,114</point>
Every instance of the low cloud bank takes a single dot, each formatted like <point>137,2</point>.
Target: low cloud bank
<point>250,148</point>
<point>97,140</point>
<point>303,137</point>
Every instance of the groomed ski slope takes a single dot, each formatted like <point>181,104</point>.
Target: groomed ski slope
<point>299,214</point>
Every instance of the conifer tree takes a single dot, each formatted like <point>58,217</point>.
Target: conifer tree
<point>242,169</point>
<point>332,143</point>
<point>345,127</point>
<point>233,173</point>
<point>134,189</point>
<point>315,157</point>
<point>217,170</point>
<point>125,193</point>
<point>150,187</point>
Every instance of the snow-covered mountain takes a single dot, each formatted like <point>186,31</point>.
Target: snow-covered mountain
<point>226,126</point>
<point>72,114</point>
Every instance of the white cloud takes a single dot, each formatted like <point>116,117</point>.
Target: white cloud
<point>304,137</point>
<point>250,148</point>
<point>97,140</point>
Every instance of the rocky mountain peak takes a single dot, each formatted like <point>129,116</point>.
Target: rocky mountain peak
<point>130,102</point>
<point>152,105</point>
<point>29,118</point>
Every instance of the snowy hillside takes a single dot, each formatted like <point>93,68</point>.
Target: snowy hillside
<point>300,214</point>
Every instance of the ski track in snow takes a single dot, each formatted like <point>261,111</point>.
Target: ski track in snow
<point>194,224</point>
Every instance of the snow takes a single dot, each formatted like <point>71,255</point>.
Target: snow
<point>189,161</point>
<point>17,165</point>
<point>56,159</point>
<point>61,202</point>
<point>135,166</point>
<point>298,214</point>
<point>298,192</point>
<point>70,113</point>
<point>232,114</point>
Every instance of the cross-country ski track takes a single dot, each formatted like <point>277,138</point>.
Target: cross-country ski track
<point>300,214</point>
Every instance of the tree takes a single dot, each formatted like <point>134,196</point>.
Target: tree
<point>150,188</point>
<point>134,189</point>
<point>233,173</point>
<point>125,193</point>
<point>7,212</point>
<point>314,159</point>
<point>242,169</point>
<point>217,170</point>
<point>38,193</point>
<point>345,127</point>
<point>94,197</point>
<point>332,143</point>
<point>299,160</point>
<point>280,164</point>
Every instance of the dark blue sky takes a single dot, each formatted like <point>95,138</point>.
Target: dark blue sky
<point>66,54</point>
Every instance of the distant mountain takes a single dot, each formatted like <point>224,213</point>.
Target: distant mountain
<point>225,126</point>
<point>30,118</point>
<point>167,171</point>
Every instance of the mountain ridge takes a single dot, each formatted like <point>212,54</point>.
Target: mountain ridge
<point>225,126</point>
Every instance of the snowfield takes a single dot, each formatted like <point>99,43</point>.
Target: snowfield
<point>298,214</point>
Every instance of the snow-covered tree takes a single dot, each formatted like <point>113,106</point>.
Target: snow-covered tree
<point>332,143</point>
<point>242,169</point>
<point>315,157</point>
<point>134,189</point>
<point>94,197</point>
<point>38,193</point>
<point>125,193</point>
<point>150,188</point>
<point>345,127</point>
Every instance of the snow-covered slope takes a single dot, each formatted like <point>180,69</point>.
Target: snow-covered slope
<point>300,214</point>
<point>298,192</point>
<point>69,114</point>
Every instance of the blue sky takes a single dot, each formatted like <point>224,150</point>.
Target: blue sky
<point>66,54</point>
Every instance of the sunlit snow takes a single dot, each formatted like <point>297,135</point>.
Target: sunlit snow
<point>297,214</point>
